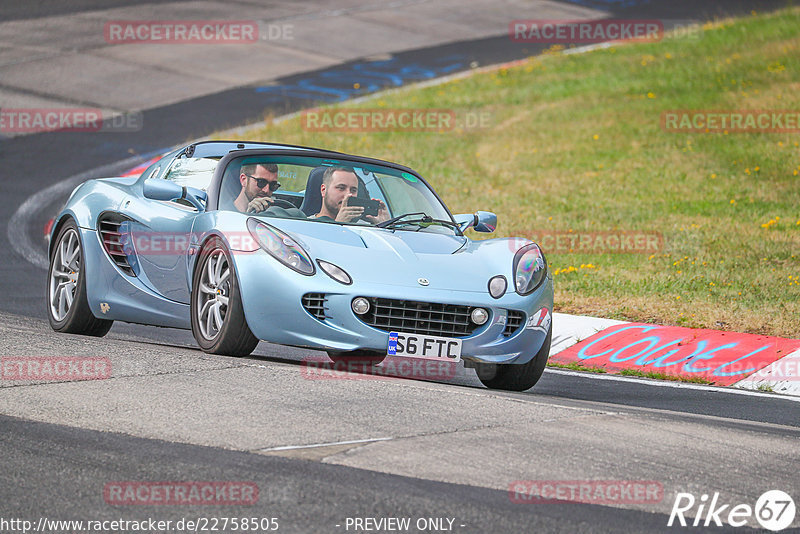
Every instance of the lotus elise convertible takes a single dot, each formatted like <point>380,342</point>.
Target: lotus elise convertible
<point>359,257</point>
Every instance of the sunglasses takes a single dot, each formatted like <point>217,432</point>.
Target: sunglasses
<point>262,183</point>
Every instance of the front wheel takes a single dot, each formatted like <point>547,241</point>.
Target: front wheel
<point>218,321</point>
<point>67,306</point>
<point>512,377</point>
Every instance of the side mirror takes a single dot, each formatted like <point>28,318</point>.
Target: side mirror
<point>170,191</point>
<point>481,221</point>
<point>486,221</point>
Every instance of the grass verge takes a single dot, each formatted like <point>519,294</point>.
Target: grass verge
<point>576,367</point>
<point>663,376</point>
<point>575,144</point>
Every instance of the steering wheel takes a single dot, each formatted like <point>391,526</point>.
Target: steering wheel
<point>281,203</point>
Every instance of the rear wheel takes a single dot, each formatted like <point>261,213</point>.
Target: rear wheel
<point>67,306</point>
<point>218,322</point>
<point>512,377</point>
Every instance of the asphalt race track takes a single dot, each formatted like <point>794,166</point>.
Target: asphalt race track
<point>323,450</point>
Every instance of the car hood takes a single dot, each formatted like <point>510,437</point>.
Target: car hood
<point>397,257</point>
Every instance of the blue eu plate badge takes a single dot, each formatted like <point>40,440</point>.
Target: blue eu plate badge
<point>392,349</point>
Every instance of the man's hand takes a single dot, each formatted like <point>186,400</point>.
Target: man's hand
<point>383,213</point>
<point>259,204</point>
<point>349,213</point>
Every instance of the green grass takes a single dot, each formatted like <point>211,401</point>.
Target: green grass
<point>577,367</point>
<point>575,143</point>
<point>663,376</point>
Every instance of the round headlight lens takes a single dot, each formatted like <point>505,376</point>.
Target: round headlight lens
<point>498,286</point>
<point>360,305</point>
<point>479,316</point>
<point>530,269</point>
<point>335,272</point>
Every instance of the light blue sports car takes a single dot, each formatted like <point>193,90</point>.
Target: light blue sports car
<point>242,242</point>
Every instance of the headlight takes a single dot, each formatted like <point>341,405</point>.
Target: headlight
<point>530,269</point>
<point>281,247</point>
<point>335,272</point>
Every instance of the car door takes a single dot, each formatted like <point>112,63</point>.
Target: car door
<point>162,230</point>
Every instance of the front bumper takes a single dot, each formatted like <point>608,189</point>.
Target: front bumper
<point>272,300</point>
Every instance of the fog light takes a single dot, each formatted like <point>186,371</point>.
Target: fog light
<point>360,305</point>
<point>498,286</point>
<point>479,316</point>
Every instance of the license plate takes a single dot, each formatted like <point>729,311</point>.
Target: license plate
<point>426,347</point>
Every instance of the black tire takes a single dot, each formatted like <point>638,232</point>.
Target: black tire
<point>512,377</point>
<point>234,337</point>
<point>77,317</point>
<point>357,357</point>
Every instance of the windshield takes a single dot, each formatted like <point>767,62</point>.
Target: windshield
<point>192,172</point>
<point>332,191</point>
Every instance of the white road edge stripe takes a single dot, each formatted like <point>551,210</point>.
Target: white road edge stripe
<point>669,384</point>
<point>22,244</point>
<point>316,445</point>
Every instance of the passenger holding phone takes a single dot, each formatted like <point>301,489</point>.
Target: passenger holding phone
<point>339,185</point>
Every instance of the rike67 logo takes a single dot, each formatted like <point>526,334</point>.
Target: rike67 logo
<point>774,510</point>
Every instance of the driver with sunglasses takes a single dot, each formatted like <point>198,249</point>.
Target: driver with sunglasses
<point>258,181</point>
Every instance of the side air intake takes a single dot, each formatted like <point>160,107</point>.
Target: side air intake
<point>111,228</point>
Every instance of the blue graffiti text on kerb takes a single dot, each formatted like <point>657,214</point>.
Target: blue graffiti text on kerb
<point>700,353</point>
<point>582,353</point>
<point>338,84</point>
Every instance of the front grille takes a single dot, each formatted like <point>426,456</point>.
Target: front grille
<point>514,320</point>
<point>314,303</point>
<point>424,318</point>
<point>109,228</point>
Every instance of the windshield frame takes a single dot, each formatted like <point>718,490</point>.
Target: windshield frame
<point>215,188</point>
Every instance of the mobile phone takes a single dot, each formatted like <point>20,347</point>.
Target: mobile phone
<point>370,206</point>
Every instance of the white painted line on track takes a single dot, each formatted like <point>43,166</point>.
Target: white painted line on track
<point>577,329</point>
<point>669,384</point>
<point>315,445</point>
<point>21,220</point>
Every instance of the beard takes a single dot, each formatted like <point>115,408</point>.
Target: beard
<point>258,193</point>
<point>330,206</point>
